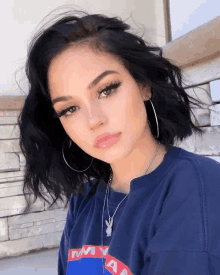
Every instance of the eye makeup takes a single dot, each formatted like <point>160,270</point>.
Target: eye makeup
<point>111,86</point>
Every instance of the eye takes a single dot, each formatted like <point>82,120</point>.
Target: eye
<point>63,112</point>
<point>111,86</point>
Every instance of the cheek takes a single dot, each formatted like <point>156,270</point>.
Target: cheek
<point>78,133</point>
<point>136,111</point>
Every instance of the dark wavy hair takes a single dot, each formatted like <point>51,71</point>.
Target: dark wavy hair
<point>41,132</point>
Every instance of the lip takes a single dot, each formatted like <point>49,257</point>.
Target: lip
<point>105,137</point>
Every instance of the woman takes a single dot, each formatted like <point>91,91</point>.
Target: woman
<point>98,126</point>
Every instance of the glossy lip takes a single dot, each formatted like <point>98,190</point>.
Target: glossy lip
<point>104,137</point>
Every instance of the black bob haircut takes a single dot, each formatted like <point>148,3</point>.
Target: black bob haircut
<point>41,132</point>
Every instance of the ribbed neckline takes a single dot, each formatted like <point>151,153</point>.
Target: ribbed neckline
<point>143,181</point>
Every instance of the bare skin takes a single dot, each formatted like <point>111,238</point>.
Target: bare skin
<point>125,186</point>
<point>123,111</point>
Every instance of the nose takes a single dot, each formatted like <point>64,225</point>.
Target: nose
<point>94,123</point>
<point>96,116</point>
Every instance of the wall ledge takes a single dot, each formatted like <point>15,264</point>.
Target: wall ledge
<point>9,103</point>
<point>200,43</point>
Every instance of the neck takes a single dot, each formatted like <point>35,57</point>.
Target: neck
<point>123,185</point>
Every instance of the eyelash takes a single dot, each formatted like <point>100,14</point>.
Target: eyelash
<point>112,85</point>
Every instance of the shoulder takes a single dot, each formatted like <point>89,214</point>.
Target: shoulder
<point>192,175</point>
<point>184,154</point>
<point>188,219</point>
<point>183,162</point>
<point>204,168</point>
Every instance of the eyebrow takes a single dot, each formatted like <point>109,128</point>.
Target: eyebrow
<point>90,86</point>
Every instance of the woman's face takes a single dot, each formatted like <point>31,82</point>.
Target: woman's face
<point>93,114</point>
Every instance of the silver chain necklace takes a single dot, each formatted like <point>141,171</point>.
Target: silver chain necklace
<point>109,223</point>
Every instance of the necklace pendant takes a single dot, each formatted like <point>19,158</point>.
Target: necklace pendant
<point>109,227</point>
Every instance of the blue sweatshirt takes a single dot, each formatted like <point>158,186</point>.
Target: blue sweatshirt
<point>169,224</point>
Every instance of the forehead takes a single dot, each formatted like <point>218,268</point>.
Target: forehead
<point>79,66</point>
<point>84,61</point>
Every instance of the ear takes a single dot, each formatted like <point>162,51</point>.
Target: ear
<point>145,91</point>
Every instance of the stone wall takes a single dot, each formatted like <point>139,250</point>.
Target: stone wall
<point>197,54</point>
<point>203,77</point>
<point>20,234</point>
<point>42,228</point>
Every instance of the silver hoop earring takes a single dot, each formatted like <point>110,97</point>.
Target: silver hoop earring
<point>155,118</point>
<point>70,142</point>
